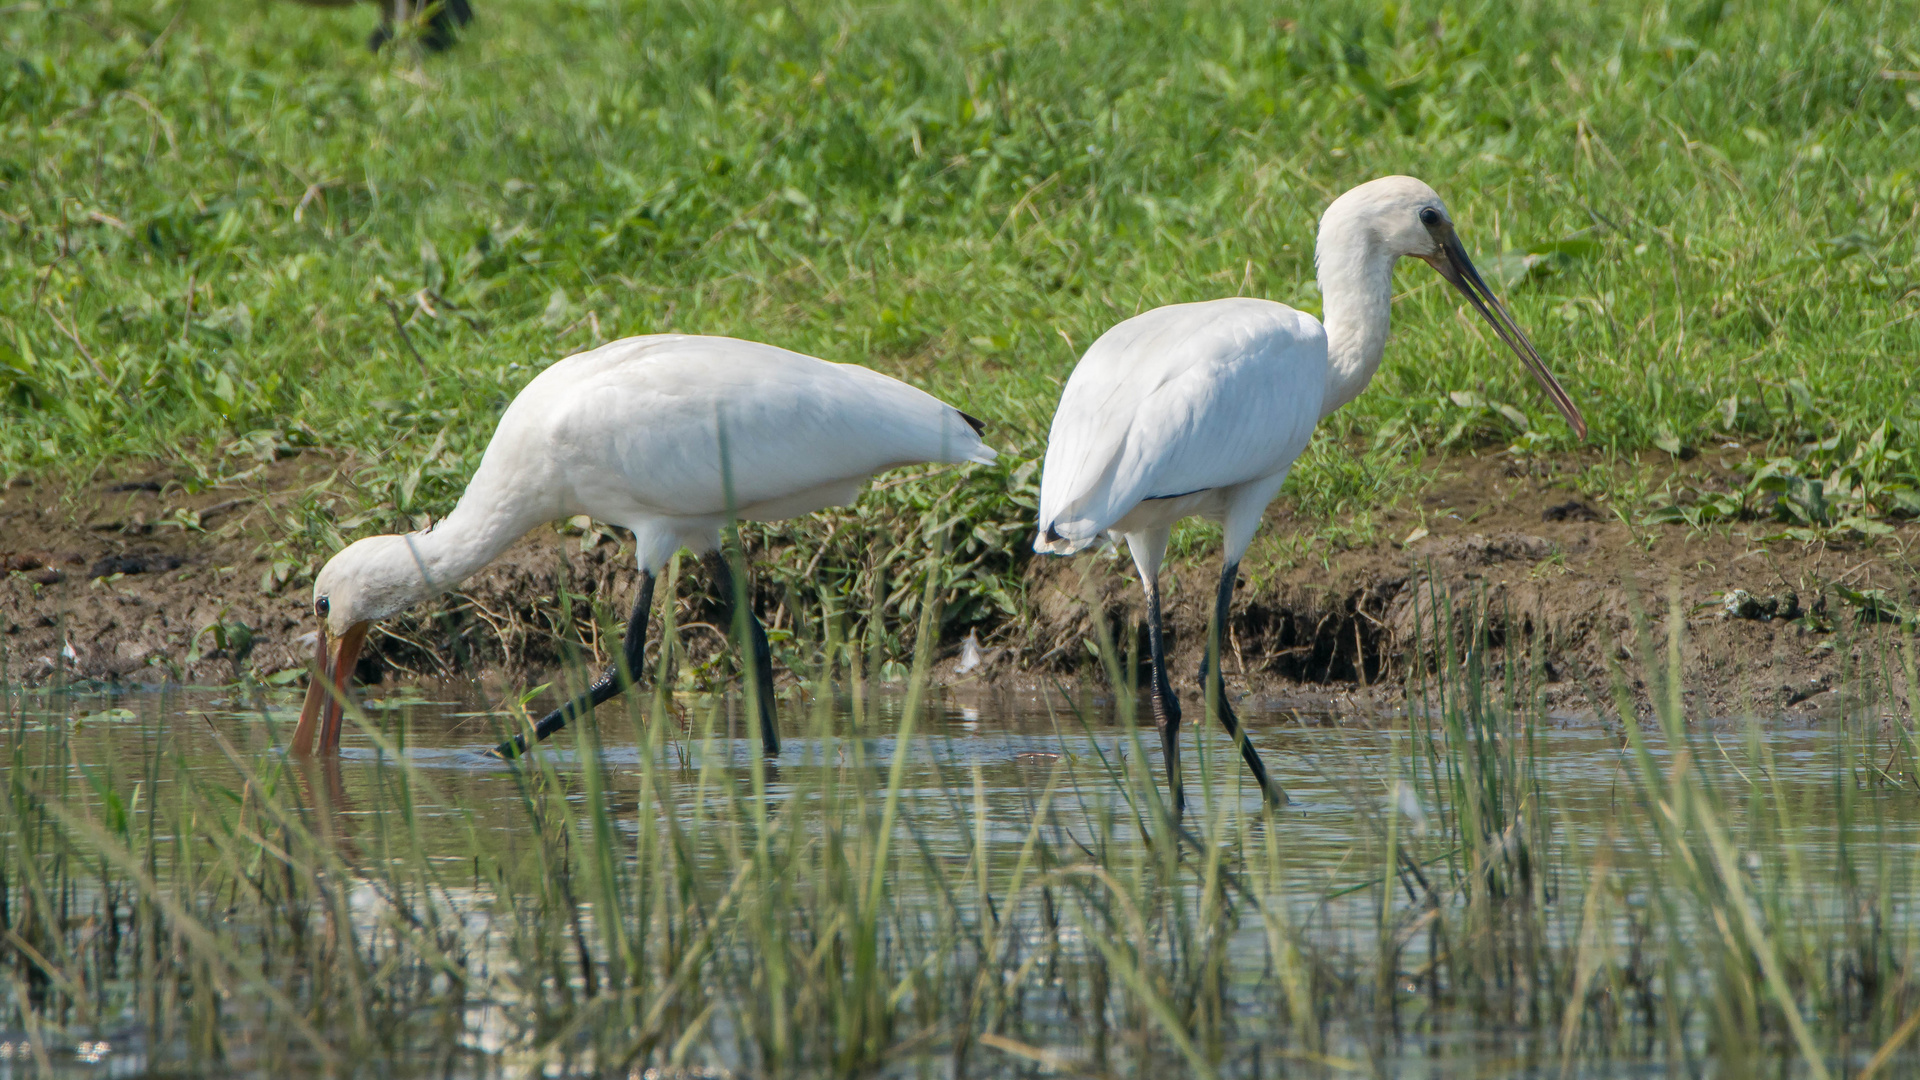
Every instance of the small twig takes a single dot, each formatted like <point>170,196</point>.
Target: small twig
<point>223,507</point>
<point>399,325</point>
<point>154,113</point>
<point>160,39</point>
<point>88,355</point>
<point>318,191</point>
<point>814,563</point>
<point>186,319</point>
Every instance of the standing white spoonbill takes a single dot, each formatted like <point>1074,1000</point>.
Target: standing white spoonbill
<point>1202,409</point>
<point>669,436</point>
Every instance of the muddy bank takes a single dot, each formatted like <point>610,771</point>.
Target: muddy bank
<point>1554,576</point>
<point>137,580</point>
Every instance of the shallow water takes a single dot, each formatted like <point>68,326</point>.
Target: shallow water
<point>990,761</point>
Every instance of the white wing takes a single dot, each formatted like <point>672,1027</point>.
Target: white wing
<point>634,427</point>
<point>1180,399</point>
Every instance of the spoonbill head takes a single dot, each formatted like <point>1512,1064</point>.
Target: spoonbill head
<point>367,581</point>
<point>1372,226</point>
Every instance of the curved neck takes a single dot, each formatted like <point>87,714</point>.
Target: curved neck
<point>437,559</point>
<point>384,575</point>
<point>1356,291</point>
<point>457,547</point>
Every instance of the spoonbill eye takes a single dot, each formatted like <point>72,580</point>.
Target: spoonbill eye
<point>1429,216</point>
<point>320,607</point>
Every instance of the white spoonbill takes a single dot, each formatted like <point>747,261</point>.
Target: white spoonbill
<point>1202,408</point>
<point>668,436</point>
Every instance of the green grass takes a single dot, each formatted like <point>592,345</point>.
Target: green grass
<point>216,215</point>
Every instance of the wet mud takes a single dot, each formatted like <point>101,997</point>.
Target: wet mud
<point>137,580</point>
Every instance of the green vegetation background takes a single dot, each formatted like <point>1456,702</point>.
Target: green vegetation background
<point>216,218</point>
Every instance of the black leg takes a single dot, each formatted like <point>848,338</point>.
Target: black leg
<point>438,33</point>
<point>762,659</point>
<point>1166,707</point>
<point>441,21</point>
<point>1214,686</point>
<point>625,671</point>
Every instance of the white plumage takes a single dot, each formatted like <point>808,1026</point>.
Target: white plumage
<point>630,434</point>
<point>666,435</point>
<point>1174,412</point>
<point>1200,409</point>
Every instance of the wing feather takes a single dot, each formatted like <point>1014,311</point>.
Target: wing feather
<point>1180,399</point>
<point>638,422</point>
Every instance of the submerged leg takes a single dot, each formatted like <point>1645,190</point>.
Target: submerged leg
<point>761,660</point>
<point>623,672</point>
<point>1166,707</point>
<point>1213,684</point>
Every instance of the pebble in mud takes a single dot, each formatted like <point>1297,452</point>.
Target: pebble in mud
<point>1741,604</point>
<point>1571,510</point>
<point>38,567</point>
<point>133,564</point>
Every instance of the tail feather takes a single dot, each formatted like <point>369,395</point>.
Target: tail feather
<point>1049,541</point>
<point>979,453</point>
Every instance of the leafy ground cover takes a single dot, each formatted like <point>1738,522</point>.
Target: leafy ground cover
<point>229,234</point>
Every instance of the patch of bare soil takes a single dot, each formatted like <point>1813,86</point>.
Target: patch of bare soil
<point>122,580</point>
<point>1557,578</point>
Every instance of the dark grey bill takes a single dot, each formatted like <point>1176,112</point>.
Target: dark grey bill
<point>1453,264</point>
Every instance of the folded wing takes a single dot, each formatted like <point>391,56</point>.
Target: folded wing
<point>1180,399</point>
<point>685,425</point>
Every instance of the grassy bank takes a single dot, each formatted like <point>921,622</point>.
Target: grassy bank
<point>231,233</point>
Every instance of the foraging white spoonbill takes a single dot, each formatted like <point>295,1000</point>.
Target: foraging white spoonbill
<point>669,436</point>
<point>1200,409</point>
